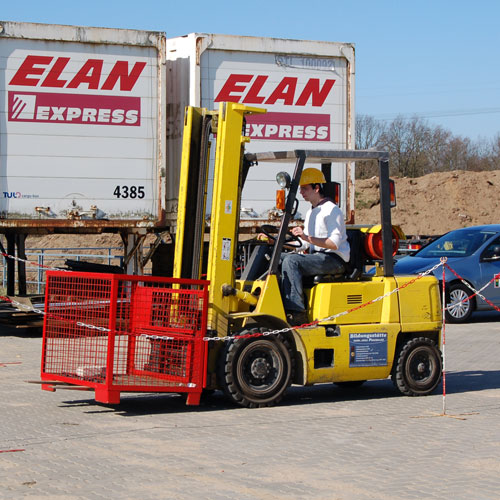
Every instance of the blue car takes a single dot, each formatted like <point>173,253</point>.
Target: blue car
<point>474,254</point>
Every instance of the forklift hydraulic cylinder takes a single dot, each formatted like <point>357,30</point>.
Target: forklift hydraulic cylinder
<point>243,296</point>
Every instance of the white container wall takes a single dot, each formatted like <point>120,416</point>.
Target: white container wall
<point>82,126</point>
<point>307,88</point>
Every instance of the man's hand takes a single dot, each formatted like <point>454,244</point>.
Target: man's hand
<point>319,242</point>
<point>299,231</point>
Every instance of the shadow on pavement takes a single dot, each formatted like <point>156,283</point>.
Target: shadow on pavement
<point>478,380</point>
<point>485,317</point>
<point>149,404</point>
<point>13,331</point>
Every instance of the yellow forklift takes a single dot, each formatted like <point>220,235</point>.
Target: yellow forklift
<point>116,333</point>
<point>391,329</point>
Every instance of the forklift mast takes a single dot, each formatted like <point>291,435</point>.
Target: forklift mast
<point>229,172</point>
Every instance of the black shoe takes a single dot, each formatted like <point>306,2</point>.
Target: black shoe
<point>297,318</point>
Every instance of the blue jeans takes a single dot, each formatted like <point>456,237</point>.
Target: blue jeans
<point>294,266</point>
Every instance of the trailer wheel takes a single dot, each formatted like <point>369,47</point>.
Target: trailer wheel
<point>256,372</point>
<point>418,367</point>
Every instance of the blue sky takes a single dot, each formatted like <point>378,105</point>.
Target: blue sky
<point>437,59</point>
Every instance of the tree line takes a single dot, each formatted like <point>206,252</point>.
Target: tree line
<point>417,148</point>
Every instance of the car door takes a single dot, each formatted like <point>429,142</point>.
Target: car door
<point>489,264</point>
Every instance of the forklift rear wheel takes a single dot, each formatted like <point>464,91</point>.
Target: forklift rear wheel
<point>256,372</point>
<point>418,367</point>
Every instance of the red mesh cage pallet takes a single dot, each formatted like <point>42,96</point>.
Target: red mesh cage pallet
<point>118,333</point>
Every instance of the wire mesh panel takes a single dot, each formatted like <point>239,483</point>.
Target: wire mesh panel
<point>118,333</point>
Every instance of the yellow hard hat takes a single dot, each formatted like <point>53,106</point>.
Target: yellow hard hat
<point>312,176</point>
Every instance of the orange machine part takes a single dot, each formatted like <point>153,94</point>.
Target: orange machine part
<point>373,244</point>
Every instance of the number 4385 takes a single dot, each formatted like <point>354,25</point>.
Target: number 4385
<point>129,192</point>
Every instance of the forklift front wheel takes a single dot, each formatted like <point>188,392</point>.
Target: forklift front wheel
<point>255,372</point>
<point>418,367</point>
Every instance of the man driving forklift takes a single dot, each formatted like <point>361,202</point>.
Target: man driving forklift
<point>324,249</point>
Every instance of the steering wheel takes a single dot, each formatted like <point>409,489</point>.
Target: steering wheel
<point>291,241</point>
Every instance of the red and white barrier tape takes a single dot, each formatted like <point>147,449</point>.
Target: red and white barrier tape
<point>267,333</point>
<point>329,318</point>
<point>35,264</point>
<point>476,292</point>
<point>443,331</point>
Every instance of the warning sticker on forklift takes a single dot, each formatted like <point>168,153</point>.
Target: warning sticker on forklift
<point>226,249</point>
<point>368,349</point>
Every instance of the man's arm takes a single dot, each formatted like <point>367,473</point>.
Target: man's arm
<point>313,240</point>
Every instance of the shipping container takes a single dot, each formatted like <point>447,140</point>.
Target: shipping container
<point>307,88</point>
<point>82,128</point>
<point>84,113</point>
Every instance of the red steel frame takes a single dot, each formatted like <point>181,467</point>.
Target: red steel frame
<point>118,333</point>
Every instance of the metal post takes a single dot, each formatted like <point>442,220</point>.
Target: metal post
<point>40,272</point>
<point>385,216</point>
<point>326,168</point>
<point>287,216</point>
<point>11,269</point>
<point>4,270</point>
<point>21,265</point>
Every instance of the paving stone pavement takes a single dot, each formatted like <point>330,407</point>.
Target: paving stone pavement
<point>321,442</point>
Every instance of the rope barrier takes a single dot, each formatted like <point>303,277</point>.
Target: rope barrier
<point>34,264</point>
<point>328,318</point>
<point>476,292</point>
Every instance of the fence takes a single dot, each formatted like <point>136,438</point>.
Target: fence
<point>56,257</point>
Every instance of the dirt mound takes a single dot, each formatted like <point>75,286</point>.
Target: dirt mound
<point>74,241</point>
<point>435,203</point>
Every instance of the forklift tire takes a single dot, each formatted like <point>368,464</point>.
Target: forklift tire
<point>418,367</point>
<point>256,372</point>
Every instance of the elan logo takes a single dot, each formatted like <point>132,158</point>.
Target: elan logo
<point>289,91</point>
<point>74,108</point>
<point>23,107</point>
<point>64,72</point>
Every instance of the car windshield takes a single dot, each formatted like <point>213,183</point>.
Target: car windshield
<point>461,243</point>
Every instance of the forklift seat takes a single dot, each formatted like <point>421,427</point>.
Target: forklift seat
<point>353,268</point>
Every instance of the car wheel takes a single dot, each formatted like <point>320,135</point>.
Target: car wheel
<point>458,307</point>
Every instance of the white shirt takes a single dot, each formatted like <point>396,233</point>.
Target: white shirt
<point>326,220</point>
